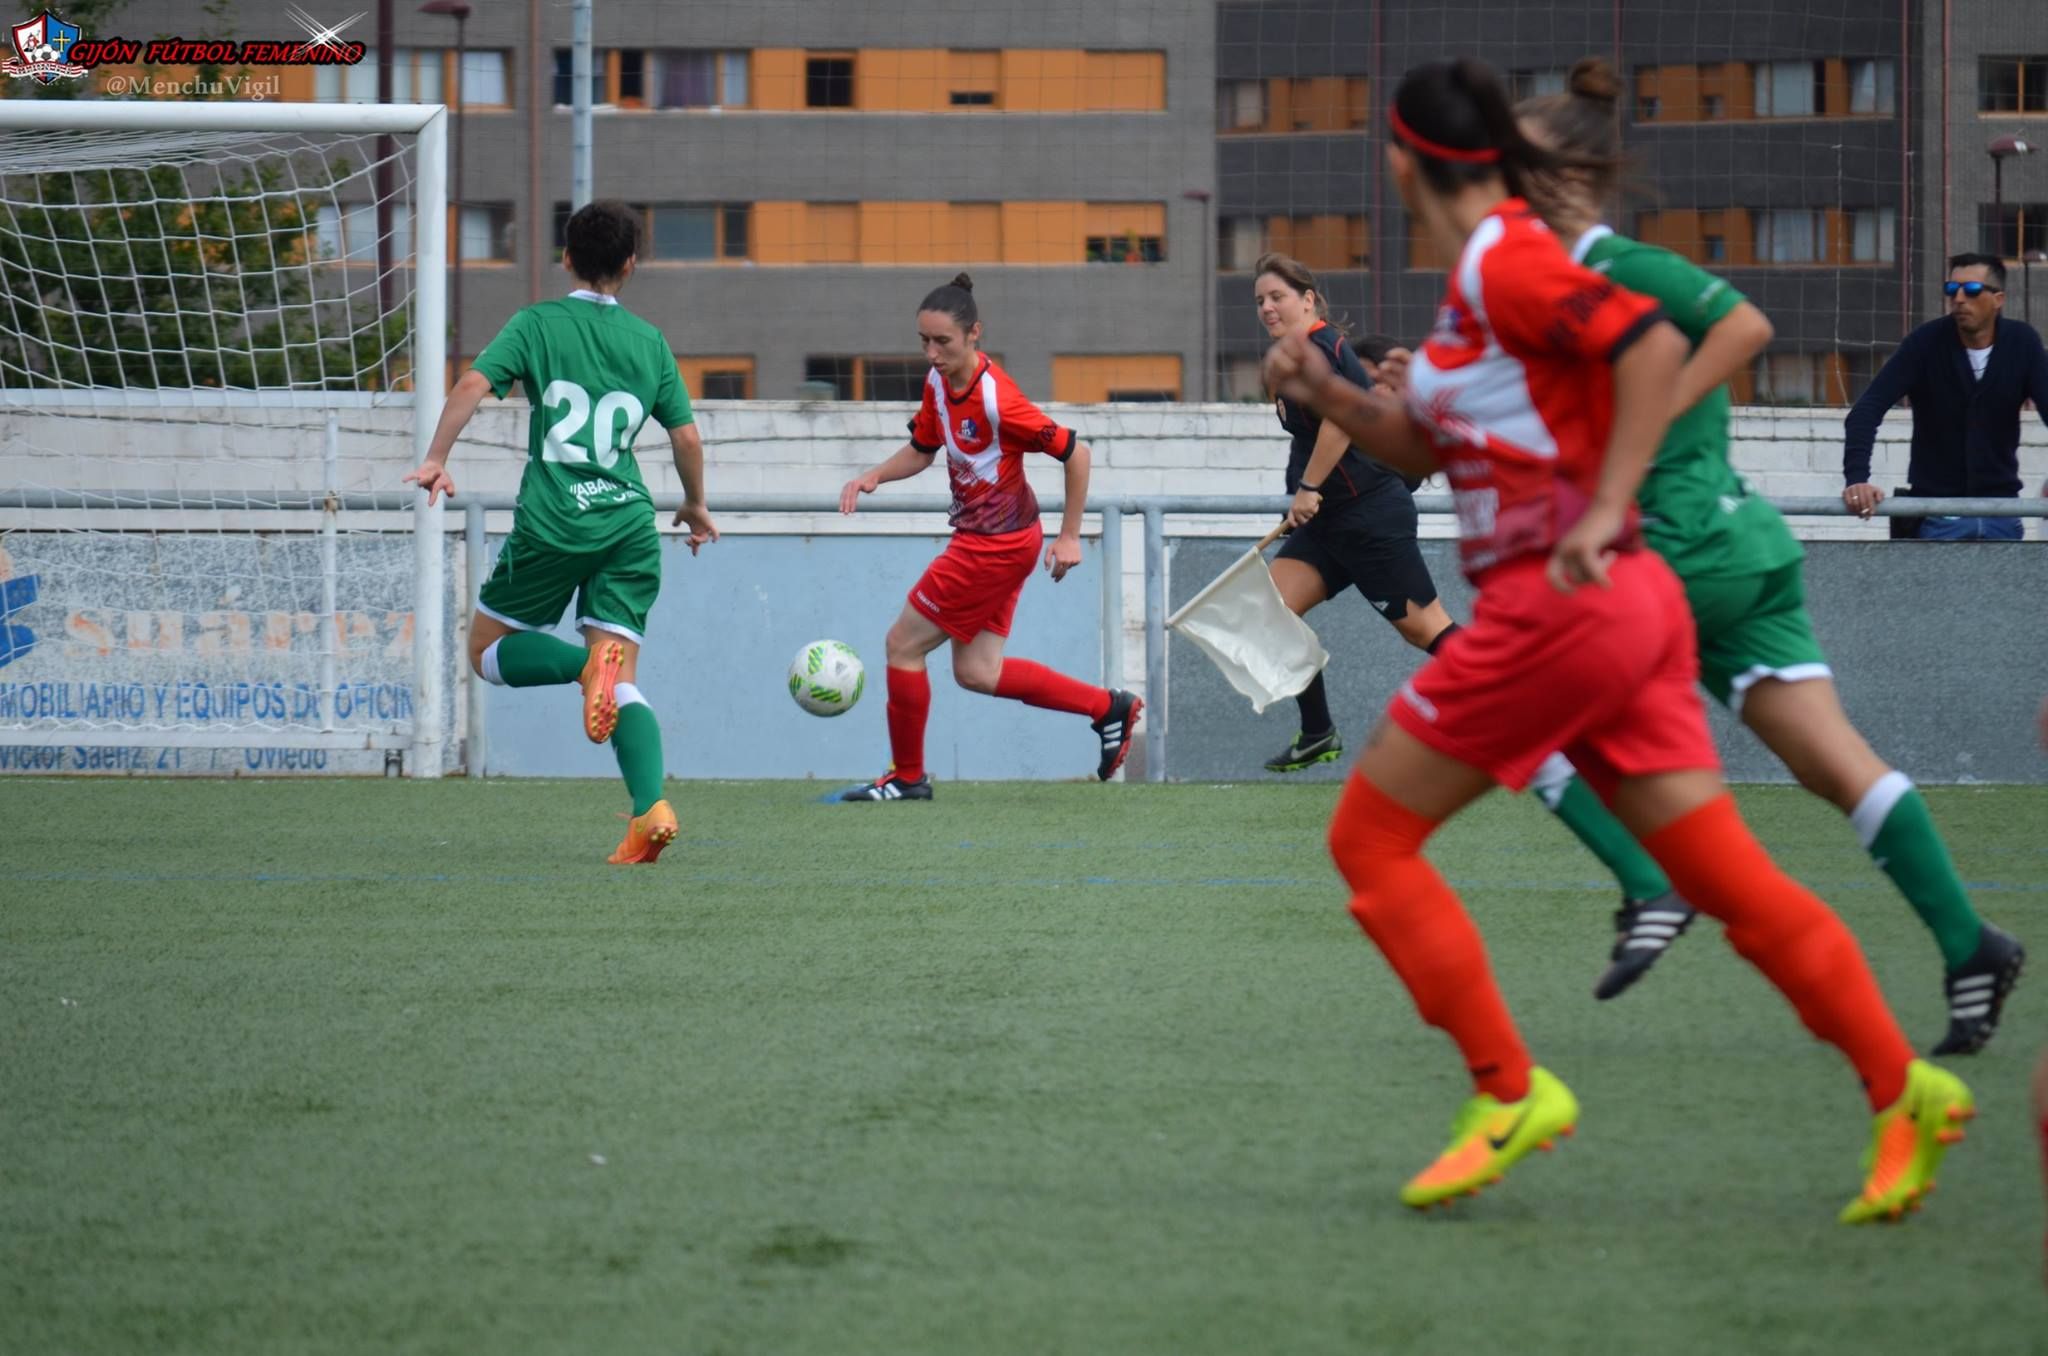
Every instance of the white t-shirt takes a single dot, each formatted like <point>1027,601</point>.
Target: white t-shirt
<point>1980,358</point>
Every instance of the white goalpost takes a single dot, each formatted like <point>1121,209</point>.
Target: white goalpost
<point>222,342</point>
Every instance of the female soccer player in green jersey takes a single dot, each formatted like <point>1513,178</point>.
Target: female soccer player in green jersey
<point>1741,567</point>
<point>584,528</point>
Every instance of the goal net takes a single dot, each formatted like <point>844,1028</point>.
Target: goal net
<point>219,351</point>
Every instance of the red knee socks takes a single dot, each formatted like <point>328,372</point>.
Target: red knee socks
<point>1426,935</point>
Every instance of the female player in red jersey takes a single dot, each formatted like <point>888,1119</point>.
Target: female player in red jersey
<point>1543,392</point>
<point>985,425</point>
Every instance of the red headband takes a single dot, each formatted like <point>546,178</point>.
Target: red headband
<point>1488,155</point>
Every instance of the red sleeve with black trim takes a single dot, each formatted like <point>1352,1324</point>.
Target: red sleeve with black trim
<point>1025,427</point>
<point>925,433</point>
<point>1540,304</point>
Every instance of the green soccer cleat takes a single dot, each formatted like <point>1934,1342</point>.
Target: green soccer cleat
<point>1490,1136</point>
<point>1305,753</point>
<point>1907,1142</point>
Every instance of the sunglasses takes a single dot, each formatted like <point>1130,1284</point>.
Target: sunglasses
<point>1968,289</point>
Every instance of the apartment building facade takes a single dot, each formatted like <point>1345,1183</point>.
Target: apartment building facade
<point>1109,172</point>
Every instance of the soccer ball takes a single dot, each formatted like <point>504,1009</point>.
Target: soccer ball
<point>826,678</point>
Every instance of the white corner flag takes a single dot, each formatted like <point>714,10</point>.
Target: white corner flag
<point>1241,622</point>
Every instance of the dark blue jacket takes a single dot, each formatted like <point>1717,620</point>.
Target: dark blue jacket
<point>1966,429</point>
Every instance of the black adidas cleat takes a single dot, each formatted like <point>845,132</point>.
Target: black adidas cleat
<point>1977,992</point>
<point>1116,727</point>
<point>1645,930</point>
<point>889,786</point>
<point>1305,752</point>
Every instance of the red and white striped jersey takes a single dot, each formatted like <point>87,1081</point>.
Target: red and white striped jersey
<point>985,431</point>
<point>1516,387</point>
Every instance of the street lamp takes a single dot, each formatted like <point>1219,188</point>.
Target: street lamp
<point>1200,196</point>
<point>458,10</point>
<point>1999,149</point>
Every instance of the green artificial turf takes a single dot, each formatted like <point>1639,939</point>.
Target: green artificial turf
<point>366,1066</point>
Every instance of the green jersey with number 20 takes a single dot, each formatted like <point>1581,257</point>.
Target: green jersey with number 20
<point>595,373</point>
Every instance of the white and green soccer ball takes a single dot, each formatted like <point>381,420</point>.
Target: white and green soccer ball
<point>826,678</point>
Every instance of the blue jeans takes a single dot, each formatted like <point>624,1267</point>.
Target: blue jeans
<point>1972,529</point>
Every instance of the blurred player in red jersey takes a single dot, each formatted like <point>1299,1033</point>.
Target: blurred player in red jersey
<point>1543,393</point>
<point>985,425</point>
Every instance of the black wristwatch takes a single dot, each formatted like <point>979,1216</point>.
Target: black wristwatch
<point>1312,489</point>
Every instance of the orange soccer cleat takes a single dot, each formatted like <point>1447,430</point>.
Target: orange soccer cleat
<point>646,836</point>
<point>600,683</point>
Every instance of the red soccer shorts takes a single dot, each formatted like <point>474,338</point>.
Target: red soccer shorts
<point>974,584</point>
<point>1607,676</point>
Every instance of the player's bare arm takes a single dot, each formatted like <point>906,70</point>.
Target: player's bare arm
<point>1731,345</point>
<point>687,447</point>
<point>432,475</point>
<point>1331,444</point>
<point>1375,421</point>
<point>1065,551</point>
<point>908,460</point>
<point>1643,376</point>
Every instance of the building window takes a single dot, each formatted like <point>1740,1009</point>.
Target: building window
<point>1126,248</point>
<point>1873,86</point>
<point>1535,84</point>
<point>2007,84</point>
<point>1239,243</point>
<point>893,378</point>
<point>1241,106</point>
<point>348,231</point>
<point>1791,237</point>
<point>485,234</point>
<point>722,378</point>
<point>833,372</point>
<point>565,78</point>
<point>1090,379</point>
<point>2013,230</point>
<point>632,87</point>
<point>415,78</point>
<point>973,78</point>
<point>828,81</point>
<point>484,84</point>
<point>1790,89</point>
<point>676,232</point>
<point>1873,235</point>
<point>868,378</point>
<point>687,78</point>
<point>1244,379</point>
<point>1799,379</point>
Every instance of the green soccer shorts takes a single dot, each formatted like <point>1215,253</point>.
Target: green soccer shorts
<point>1752,627</point>
<point>614,585</point>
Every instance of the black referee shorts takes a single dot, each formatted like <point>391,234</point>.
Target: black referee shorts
<point>1367,541</point>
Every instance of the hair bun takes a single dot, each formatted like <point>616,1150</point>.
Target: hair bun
<point>963,282</point>
<point>1593,78</point>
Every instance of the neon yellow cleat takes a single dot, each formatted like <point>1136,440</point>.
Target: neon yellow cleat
<point>1491,1136</point>
<point>1907,1142</point>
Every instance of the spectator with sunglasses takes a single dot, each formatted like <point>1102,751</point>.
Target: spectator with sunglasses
<point>1967,376</point>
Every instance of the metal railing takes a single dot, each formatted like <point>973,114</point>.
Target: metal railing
<point>1109,513</point>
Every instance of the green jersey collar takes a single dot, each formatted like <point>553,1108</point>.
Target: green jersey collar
<point>1583,246</point>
